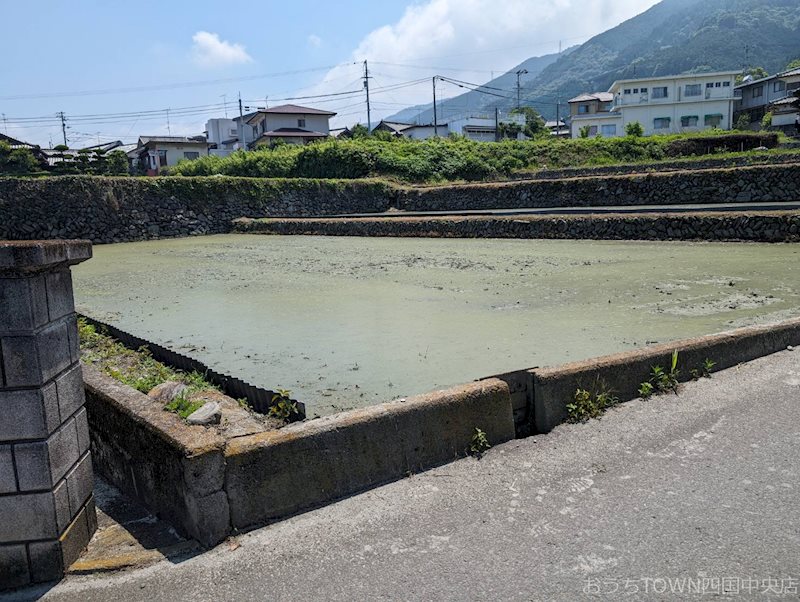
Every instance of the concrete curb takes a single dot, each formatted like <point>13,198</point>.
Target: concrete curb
<point>276,474</point>
<point>554,387</point>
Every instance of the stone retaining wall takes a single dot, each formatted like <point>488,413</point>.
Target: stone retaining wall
<point>780,226</point>
<point>106,209</point>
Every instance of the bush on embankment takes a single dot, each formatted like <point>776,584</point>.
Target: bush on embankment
<point>457,158</point>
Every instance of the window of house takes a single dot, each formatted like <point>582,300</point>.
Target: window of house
<point>710,85</point>
<point>644,90</point>
<point>713,120</point>
<point>726,84</point>
<point>636,90</point>
<point>660,92</point>
<point>626,91</point>
<point>606,106</point>
<point>162,158</point>
<point>718,85</point>
<point>301,123</point>
<point>778,86</point>
<point>233,132</point>
<point>608,130</point>
<point>255,132</point>
<point>689,121</point>
<point>693,90</point>
<point>661,123</point>
<point>583,108</point>
<point>758,91</point>
<point>191,155</point>
<point>593,130</point>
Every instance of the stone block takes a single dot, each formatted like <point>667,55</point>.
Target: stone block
<point>20,361</point>
<point>30,256</point>
<point>28,414</point>
<point>82,426</point>
<point>208,518</point>
<point>14,562</point>
<point>47,563</point>
<point>76,537</point>
<point>80,481</point>
<point>70,392</point>
<point>61,504</point>
<point>16,311</point>
<point>59,294</point>
<point>28,517</point>
<point>72,336</point>
<point>41,464</point>
<point>8,481</point>
<point>54,350</point>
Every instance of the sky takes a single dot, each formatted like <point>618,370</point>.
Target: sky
<point>120,70</point>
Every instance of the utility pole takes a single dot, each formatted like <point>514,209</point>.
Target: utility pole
<point>366,87</point>
<point>558,116</point>
<point>519,73</point>
<point>5,123</point>
<point>435,118</point>
<point>241,123</point>
<point>496,124</point>
<point>60,115</point>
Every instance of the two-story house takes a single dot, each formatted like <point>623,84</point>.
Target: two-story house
<point>290,123</point>
<point>770,94</point>
<point>662,105</point>
<point>152,153</point>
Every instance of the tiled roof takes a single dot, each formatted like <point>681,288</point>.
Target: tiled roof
<point>599,96</point>
<point>296,110</point>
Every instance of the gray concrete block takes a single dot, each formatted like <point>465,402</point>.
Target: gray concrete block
<point>74,342</point>
<point>16,312</point>
<point>204,474</point>
<point>33,466</point>
<point>77,535</point>
<point>20,361</point>
<point>70,392</point>
<point>8,481</point>
<point>39,300</point>
<point>41,464</point>
<point>28,414</point>
<point>47,563</point>
<point>61,505</point>
<point>208,518</point>
<point>28,517</point>
<point>80,481</point>
<point>14,562</point>
<point>54,350</point>
<point>82,426</point>
<point>59,294</point>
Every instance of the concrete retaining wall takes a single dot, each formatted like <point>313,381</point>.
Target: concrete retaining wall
<point>207,486</point>
<point>783,226</point>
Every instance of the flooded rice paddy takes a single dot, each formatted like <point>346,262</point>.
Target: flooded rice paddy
<point>347,322</point>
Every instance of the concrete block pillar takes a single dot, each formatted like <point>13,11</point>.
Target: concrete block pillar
<point>47,512</point>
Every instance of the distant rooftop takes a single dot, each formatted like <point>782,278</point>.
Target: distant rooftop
<point>600,96</point>
<point>143,140</point>
<point>296,110</point>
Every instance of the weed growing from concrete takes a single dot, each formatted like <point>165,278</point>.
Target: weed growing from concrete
<point>591,404</point>
<point>282,407</point>
<point>183,406</point>
<point>479,444</point>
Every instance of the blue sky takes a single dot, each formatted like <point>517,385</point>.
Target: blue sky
<point>141,55</point>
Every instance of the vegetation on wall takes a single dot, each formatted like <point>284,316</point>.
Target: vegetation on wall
<point>456,158</point>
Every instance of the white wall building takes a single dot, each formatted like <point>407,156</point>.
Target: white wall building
<point>290,123</point>
<point>662,105</point>
<point>152,153</point>
<point>775,94</point>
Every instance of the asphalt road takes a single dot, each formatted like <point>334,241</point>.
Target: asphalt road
<point>702,486</point>
<point>602,210</point>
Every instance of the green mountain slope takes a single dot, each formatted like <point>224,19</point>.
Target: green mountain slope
<point>674,36</point>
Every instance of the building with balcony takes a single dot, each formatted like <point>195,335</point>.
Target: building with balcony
<point>773,94</point>
<point>662,105</point>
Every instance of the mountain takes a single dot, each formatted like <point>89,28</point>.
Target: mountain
<point>476,101</point>
<point>672,37</point>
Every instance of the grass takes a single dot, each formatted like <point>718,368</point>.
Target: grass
<point>591,404</point>
<point>137,368</point>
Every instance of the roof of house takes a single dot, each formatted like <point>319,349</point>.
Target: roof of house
<point>395,126</point>
<point>14,143</point>
<point>599,96</point>
<point>789,73</point>
<point>676,76</point>
<point>106,146</point>
<point>144,140</point>
<point>296,110</point>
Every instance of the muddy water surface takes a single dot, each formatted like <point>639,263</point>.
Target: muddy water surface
<point>347,322</point>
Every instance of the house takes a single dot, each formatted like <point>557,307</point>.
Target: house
<point>155,152</point>
<point>34,148</point>
<point>291,124</point>
<point>395,128</point>
<point>223,134</point>
<point>662,105</point>
<point>341,133</point>
<point>558,128</point>
<point>769,94</point>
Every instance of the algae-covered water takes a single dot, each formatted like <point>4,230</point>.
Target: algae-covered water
<point>345,322</point>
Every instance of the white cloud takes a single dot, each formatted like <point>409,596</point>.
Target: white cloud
<point>315,40</point>
<point>473,38</point>
<point>209,51</point>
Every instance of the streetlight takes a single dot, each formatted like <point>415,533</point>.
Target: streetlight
<point>519,73</point>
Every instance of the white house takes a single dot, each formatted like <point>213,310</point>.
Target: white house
<point>155,152</point>
<point>775,94</point>
<point>662,105</point>
<point>290,123</point>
